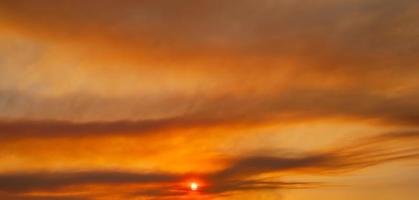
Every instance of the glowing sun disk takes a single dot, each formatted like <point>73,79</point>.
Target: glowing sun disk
<point>194,186</point>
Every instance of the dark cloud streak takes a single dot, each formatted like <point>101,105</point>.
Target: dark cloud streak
<point>234,111</point>
<point>243,173</point>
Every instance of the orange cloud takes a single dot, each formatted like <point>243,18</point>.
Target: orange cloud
<point>85,84</point>
<point>243,173</point>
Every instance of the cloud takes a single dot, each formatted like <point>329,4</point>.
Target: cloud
<point>353,59</point>
<point>252,172</point>
<point>100,68</point>
<point>258,44</point>
<point>39,197</point>
<point>160,185</point>
<point>30,129</point>
<point>255,172</point>
<point>295,105</point>
<point>40,181</point>
<point>330,35</point>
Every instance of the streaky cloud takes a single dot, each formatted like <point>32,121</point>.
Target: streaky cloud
<point>242,173</point>
<point>293,105</point>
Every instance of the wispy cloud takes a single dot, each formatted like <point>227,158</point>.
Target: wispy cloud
<point>85,71</point>
<point>234,111</point>
<point>242,174</point>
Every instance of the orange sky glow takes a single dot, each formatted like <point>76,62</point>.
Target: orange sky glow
<point>209,99</point>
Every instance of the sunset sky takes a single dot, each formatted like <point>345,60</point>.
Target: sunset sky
<point>247,99</point>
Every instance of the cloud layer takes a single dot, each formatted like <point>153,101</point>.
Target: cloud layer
<point>243,173</point>
<point>177,88</point>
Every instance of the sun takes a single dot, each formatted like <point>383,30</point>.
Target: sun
<point>194,186</point>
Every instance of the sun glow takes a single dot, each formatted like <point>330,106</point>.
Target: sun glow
<point>194,186</point>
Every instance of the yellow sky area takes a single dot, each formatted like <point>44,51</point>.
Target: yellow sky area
<point>390,181</point>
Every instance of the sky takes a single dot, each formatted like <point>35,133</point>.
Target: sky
<point>248,99</point>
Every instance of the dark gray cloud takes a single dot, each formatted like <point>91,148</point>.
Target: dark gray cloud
<point>41,181</point>
<point>30,129</point>
<point>9,196</point>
